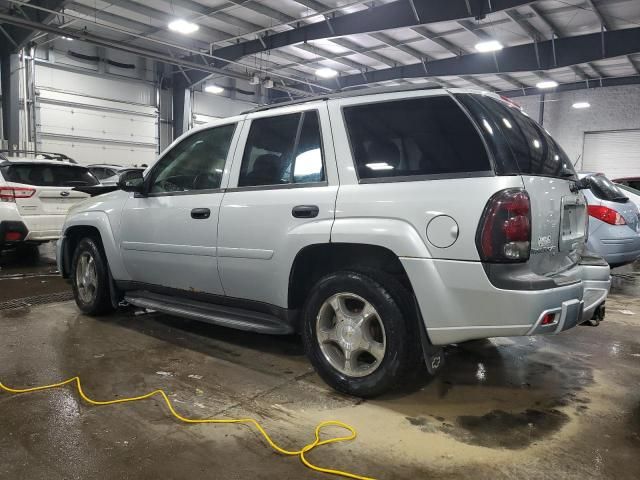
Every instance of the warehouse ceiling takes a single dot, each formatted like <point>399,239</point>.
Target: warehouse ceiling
<point>577,43</point>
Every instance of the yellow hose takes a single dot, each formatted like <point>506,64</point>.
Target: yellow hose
<point>250,421</point>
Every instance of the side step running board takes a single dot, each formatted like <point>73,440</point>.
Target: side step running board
<point>205,312</point>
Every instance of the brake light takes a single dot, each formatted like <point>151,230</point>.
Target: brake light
<point>606,214</point>
<point>9,194</point>
<point>504,234</point>
<point>12,236</point>
<point>510,102</point>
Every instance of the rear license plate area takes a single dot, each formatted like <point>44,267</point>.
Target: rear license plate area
<point>572,223</point>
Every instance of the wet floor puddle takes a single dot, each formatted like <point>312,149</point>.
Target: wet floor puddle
<point>501,396</point>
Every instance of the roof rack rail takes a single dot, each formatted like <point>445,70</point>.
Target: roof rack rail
<point>355,92</point>
<point>61,157</point>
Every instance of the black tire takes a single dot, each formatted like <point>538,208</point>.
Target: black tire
<point>100,301</point>
<point>396,310</point>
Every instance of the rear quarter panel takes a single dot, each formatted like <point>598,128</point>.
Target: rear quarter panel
<point>395,214</point>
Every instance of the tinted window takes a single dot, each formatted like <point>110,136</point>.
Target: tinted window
<point>282,150</point>
<point>98,172</point>
<point>605,189</point>
<point>426,136</point>
<point>196,163</point>
<point>49,175</point>
<point>631,190</point>
<point>519,145</point>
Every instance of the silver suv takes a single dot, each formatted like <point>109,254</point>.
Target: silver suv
<point>378,226</point>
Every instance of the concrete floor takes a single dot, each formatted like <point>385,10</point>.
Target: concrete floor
<point>555,407</point>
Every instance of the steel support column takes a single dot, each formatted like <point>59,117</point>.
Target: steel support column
<point>10,78</point>
<point>181,106</point>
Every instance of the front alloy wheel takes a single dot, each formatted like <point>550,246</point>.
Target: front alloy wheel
<point>86,278</point>
<point>90,278</point>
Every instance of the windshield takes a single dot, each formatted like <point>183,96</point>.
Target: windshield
<point>41,175</point>
<point>605,189</point>
<point>519,145</point>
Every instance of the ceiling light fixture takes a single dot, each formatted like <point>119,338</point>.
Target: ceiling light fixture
<point>326,72</point>
<point>68,39</point>
<point>547,84</point>
<point>489,46</point>
<point>213,89</point>
<point>580,105</point>
<point>183,26</point>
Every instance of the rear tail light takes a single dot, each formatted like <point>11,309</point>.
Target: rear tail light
<point>606,214</point>
<point>9,194</point>
<point>12,237</point>
<point>504,234</point>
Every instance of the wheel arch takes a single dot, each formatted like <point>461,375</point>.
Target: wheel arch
<point>314,261</point>
<point>95,225</point>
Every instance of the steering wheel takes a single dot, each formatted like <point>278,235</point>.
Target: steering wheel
<point>169,186</point>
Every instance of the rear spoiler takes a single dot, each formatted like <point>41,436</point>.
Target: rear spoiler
<point>96,190</point>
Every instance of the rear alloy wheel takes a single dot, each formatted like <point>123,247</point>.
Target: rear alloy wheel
<point>351,335</point>
<point>359,332</point>
<point>90,278</point>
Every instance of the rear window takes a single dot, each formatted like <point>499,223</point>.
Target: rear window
<point>633,183</point>
<point>414,138</point>
<point>48,175</point>
<point>518,144</point>
<point>605,189</point>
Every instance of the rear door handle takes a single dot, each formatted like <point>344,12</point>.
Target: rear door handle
<point>200,213</point>
<point>305,211</point>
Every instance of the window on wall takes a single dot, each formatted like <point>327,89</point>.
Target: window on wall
<point>196,163</point>
<point>283,150</point>
<point>414,137</point>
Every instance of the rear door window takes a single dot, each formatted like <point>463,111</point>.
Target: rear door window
<point>414,138</point>
<point>518,144</point>
<point>40,175</point>
<point>283,150</point>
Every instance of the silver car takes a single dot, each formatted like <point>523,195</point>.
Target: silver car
<point>378,225</point>
<point>614,223</point>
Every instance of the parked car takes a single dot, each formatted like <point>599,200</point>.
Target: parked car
<point>631,193</point>
<point>614,223</point>
<point>379,226</point>
<point>37,155</point>
<point>35,196</point>
<point>633,182</point>
<point>109,174</point>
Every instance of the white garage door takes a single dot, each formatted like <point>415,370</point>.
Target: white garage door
<point>93,119</point>
<point>616,154</point>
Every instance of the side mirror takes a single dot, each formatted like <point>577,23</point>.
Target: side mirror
<point>131,181</point>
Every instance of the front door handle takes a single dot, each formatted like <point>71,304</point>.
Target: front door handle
<point>305,211</point>
<point>200,213</point>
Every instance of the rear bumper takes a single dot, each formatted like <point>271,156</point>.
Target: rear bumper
<point>11,226</point>
<point>43,228</point>
<point>617,251</point>
<point>459,303</point>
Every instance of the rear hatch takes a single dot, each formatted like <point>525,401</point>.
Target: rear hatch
<point>519,146</point>
<point>46,188</point>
